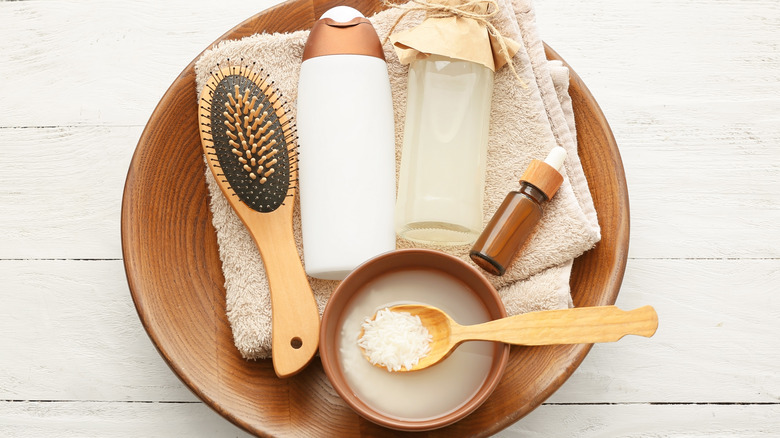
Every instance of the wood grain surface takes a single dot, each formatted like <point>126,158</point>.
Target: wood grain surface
<point>691,92</point>
<point>164,240</point>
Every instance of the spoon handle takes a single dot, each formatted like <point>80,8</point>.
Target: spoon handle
<point>581,325</point>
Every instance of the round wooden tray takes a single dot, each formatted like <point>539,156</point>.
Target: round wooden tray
<point>175,276</point>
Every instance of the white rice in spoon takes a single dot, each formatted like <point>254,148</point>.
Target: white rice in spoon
<point>395,339</point>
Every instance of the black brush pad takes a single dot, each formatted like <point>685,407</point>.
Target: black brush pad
<point>263,197</point>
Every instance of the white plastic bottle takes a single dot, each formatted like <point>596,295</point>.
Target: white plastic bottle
<point>442,177</point>
<point>346,139</point>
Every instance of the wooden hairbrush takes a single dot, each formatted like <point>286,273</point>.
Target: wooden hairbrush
<point>248,140</point>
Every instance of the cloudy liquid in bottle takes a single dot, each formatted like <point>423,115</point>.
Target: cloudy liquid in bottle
<point>442,174</point>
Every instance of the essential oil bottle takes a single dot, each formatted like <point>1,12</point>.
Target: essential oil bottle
<point>516,218</point>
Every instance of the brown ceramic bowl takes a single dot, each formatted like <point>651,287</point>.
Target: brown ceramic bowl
<point>353,290</point>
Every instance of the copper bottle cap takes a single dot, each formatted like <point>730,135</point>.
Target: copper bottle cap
<point>354,37</point>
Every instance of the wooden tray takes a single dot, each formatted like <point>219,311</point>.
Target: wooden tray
<point>175,277</point>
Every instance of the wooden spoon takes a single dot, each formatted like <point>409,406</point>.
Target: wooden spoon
<point>581,325</point>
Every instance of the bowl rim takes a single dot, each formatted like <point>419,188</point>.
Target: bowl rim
<point>346,291</point>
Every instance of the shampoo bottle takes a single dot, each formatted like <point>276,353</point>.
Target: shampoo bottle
<point>346,138</point>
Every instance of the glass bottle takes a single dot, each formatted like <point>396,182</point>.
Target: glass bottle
<point>512,224</point>
<point>442,174</point>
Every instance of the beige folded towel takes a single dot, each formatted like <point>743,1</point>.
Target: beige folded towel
<point>525,124</point>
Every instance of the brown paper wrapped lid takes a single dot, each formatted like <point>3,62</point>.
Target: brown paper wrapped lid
<point>452,35</point>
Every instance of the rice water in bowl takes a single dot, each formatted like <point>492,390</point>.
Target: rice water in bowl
<point>419,400</point>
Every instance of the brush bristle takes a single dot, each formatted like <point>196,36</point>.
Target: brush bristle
<point>250,136</point>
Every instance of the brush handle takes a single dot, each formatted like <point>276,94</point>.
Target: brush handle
<point>581,325</point>
<point>295,316</point>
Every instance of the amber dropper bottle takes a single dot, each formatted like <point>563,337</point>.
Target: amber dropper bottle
<point>516,218</point>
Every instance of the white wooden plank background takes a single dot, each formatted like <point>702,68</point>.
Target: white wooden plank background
<point>691,90</point>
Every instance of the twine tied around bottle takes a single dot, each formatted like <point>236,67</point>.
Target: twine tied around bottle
<point>480,11</point>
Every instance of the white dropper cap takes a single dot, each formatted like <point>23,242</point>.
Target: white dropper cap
<point>556,157</point>
<point>342,14</point>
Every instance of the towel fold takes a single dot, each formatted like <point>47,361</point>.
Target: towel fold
<point>526,122</point>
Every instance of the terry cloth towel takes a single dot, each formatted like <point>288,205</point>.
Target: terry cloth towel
<point>525,123</point>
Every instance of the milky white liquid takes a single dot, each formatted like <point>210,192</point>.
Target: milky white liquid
<point>428,393</point>
<point>442,174</point>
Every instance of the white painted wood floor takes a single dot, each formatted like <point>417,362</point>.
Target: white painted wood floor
<point>691,90</point>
